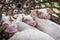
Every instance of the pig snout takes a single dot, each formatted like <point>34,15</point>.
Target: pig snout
<point>33,23</point>
<point>11,28</point>
<point>47,17</point>
<point>6,24</point>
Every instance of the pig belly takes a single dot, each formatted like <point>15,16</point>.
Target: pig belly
<point>31,35</point>
<point>50,27</point>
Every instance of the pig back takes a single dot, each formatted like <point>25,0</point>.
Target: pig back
<point>31,35</point>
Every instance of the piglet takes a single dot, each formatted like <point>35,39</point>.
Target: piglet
<point>31,34</point>
<point>16,25</point>
<point>42,13</point>
<point>48,27</point>
<point>25,30</point>
<point>29,20</point>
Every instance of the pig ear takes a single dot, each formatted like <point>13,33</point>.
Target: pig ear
<point>23,19</point>
<point>12,19</point>
<point>36,10</point>
<point>49,11</point>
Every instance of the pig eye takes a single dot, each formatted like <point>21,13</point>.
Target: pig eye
<point>40,13</point>
<point>14,17</point>
<point>26,20</point>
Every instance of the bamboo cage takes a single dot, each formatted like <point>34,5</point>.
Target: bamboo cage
<point>8,6</point>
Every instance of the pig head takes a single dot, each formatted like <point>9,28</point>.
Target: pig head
<point>29,20</point>
<point>9,27</point>
<point>44,13</point>
<point>25,18</point>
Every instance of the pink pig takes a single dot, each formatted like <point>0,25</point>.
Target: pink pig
<point>10,27</point>
<point>48,27</point>
<point>25,18</point>
<point>29,20</point>
<point>31,34</point>
<point>42,13</point>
